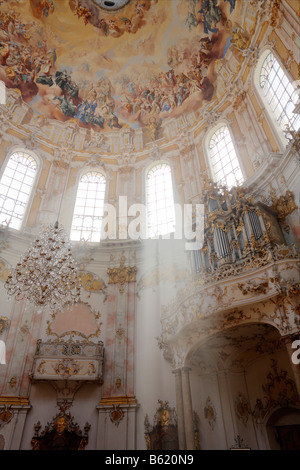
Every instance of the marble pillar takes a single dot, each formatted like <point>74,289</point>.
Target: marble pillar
<point>117,407</point>
<point>180,410</point>
<point>188,409</point>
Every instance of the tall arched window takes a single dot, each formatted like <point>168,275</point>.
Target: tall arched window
<point>279,93</point>
<point>223,159</point>
<point>160,201</point>
<point>15,188</point>
<point>89,207</point>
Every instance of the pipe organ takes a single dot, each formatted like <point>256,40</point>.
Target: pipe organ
<point>235,227</point>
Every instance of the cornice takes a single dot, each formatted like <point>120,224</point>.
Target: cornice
<point>186,122</point>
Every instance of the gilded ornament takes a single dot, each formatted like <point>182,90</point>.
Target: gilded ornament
<point>116,415</point>
<point>240,39</point>
<point>119,400</point>
<point>13,381</point>
<point>91,283</point>
<point>6,415</point>
<point>284,206</point>
<point>294,137</point>
<point>210,412</point>
<point>165,424</point>
<point>120,333</point>
<point>118,382</point>
<point>242,408</point>
<point>61,434</point>
<point>279,391</point>
<point>122,275</point>
<point>275,13</point>
<point>254,287</point>
<point>4,324</point>
<point>67,368</point>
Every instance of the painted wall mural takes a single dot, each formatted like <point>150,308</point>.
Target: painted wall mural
<point>133,67</point>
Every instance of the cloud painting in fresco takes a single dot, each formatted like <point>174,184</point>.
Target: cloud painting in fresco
<point>148,61</point>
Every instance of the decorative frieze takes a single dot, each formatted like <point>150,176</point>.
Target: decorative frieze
<point>121,275</point>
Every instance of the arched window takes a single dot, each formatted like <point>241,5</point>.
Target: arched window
<point>160,201</point>
<point>279,93</point>
<point>15,188</point>
<point>89,207</point>
<point>223,159</point>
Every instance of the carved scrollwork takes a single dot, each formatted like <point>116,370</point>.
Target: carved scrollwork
<point>163,434</point>
<point>122,275</point>
<point>61,434</point>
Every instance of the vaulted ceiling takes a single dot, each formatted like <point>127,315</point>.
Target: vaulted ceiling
<point>237,347</point>
<point>114,63</point>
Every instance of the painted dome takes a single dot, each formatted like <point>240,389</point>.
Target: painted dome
<point>114,64</point>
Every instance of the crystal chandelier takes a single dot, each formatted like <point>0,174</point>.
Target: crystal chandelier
<point>47,272</point>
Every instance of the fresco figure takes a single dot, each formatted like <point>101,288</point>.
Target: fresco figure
<point>113,89</point>
<point>232,4</point>
<point>66,105</point>
<point>211,14</point>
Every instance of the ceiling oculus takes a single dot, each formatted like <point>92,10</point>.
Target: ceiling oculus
<point>111,5</point>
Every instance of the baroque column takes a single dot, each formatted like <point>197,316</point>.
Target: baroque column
<point>117,407</point>
<point>179,409</point>
<point>188,409</point>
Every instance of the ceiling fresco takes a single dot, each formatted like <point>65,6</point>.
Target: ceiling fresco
<point>107,64</point>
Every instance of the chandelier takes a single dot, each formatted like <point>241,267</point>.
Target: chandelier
<point>47,272</point>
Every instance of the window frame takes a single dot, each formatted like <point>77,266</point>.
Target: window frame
<point>274,125</point>
<point>146,172</point>
<point>207,153</point>
<point>33,189</point>
<point>79,176</point>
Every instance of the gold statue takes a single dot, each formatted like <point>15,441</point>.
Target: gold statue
<point>164,418</point>
<point>239,40</point>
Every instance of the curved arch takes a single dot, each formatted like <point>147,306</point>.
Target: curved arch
<point>89,206</point>
<point>88,169</point>
<point>18,177</point>
<point>223,161</point>
<point>280,422</point>
<point>276,92</point>
<point>223,337</point>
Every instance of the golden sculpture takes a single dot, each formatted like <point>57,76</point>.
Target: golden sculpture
<point>61,434</point>
<point>240,40</point>
<point>284,206</point>
<point>163,435</point>
<point>164,418</point>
